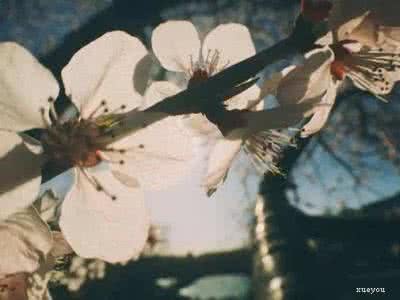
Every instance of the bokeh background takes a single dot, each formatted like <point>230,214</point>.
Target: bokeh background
<point>331,224</point>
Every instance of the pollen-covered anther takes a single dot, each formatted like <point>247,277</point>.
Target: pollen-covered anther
<point>97,185</point>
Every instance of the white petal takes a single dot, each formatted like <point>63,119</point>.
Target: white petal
<point>25,240</point>
<point>19,174</point>
<point>321,115</point>
<point>60,245</point>
<point>201,126</point>
<point>233,43</point>
<point>247,99</point>
<point>220,160</point>
<point>157,156</point>
<point>96,226</point>
<point>105,70</point>
<point>25,88</point>
<point>158,91</point>
<point>176,44</point>
<point>307,81</point>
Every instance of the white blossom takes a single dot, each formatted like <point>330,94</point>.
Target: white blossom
<point>358,47</point>
<point>104,214</point>
<point>178,47</point>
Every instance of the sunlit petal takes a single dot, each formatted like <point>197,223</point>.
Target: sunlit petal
<point>158,91</point>
<point>249,97</point>
<point>157,156</point>
<point>232,42</point>
<point>104,70</point>
<point>96,226</point>
<point>176,45</point>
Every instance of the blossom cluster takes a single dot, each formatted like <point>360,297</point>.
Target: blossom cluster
<point>120,145</point>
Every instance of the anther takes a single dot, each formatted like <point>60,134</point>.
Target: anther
<point>121,162</point>
<point>113,197</point>
<point>141,146</point>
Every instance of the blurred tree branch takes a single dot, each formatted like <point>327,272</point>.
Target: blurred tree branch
<point>139,278</point>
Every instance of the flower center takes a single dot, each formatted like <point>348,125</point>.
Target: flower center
<point>78,142</point>
<point>204,68</point>
<point>73,143</point>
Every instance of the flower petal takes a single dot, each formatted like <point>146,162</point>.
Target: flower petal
<point>153,157</point>
<point>158,91</point>
<point>321,115</point>
<point>219,162</point>
<point>60,245</point>
<point>232,42</point>
<point>156,156</point>
<point>25,240</point>
<point>246,99</point>
<point>104,71</point>
<point>25,88</point>
<point>307,81</point>
<point>176,45</point>
<point>19,174</point>
<point>98,227</point>
<point>201,126</point>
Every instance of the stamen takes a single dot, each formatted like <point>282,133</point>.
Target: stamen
<point>370,70</point>
<point>116,110</point>
<point>102,104</point>
<point>264,149</point>
<point>46,123</point>
<point>96,184</point>
<point>53,112</point>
